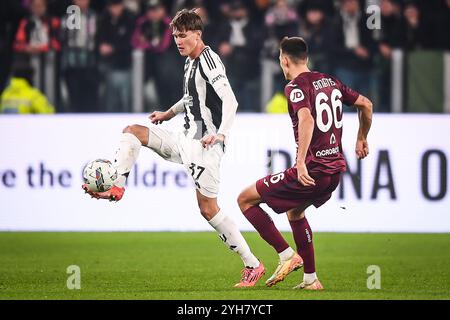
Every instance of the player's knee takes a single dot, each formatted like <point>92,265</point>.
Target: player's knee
<point>127,129</point>
<point>139,131</point>
<point>133,129</point>
<point>243,201</point>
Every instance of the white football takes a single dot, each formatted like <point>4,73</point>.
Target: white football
<point>100,175</point>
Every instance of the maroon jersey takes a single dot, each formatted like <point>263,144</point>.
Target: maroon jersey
<point>324,96</point>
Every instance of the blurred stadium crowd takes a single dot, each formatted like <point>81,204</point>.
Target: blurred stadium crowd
<point>92,65</point>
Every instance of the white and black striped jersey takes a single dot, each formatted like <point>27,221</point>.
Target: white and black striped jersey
<point>209,102</point>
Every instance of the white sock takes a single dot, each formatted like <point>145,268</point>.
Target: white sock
<point>286,254</point>
<point>126,156</point>
<point>232,237</point>
<point>309,277</point>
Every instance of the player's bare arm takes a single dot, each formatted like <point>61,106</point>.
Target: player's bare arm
<point>212,139</point>
<point>365,112</point>
<point>158,117</point>
<point>305,132</point>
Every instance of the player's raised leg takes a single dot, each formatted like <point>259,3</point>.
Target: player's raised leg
<point>232,237</point>
<point>303,238</point>
<point>249,201</point>
<point>133,137</point>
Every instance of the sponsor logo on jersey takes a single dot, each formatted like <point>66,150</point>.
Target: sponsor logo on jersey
<point>332,139</point>
<point>327,152</point>
<point>296,96</point>
<point>220,76</point>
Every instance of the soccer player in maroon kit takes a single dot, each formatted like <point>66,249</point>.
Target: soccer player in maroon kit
<point>315,103</point>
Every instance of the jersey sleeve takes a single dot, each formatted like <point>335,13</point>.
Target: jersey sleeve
<point>178,107</point>
<point>298,96</point>
<point>213,70</point>
<point>349,95</point>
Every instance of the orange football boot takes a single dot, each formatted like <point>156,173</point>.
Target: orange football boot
<point>250,276</point>
<point>284,268</point>
<point>113,194</point>
<point>315,285</point>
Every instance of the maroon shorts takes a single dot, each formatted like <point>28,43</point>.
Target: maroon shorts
<point>282,191</point>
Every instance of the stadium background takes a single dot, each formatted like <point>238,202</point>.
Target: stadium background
<point>402,186</point>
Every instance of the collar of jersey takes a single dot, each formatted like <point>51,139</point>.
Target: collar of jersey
<point>206,47</point>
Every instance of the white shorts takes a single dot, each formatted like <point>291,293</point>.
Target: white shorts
<point>201,163</point>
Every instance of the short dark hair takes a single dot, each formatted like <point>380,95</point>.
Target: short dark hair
<point>187,20</point>
<point>294,47</point>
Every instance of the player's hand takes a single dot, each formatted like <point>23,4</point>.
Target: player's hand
<point>362,148</point>
<point>303,176</point>
<point>212,139</point>
<point>158,117</point>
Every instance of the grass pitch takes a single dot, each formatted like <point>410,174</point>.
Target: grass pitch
<point>164,265</point>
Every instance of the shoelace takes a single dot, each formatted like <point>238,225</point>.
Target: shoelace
<point>247,272</point>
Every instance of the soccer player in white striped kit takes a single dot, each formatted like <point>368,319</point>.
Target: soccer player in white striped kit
<point>210,106</point>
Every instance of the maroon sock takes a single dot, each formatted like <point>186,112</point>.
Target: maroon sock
<point>303,237</point>
<point>266,228</point>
